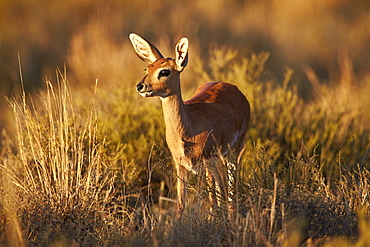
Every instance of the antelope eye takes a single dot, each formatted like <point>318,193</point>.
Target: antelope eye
<point>164,72</point>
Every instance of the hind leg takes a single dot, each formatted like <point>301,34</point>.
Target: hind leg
<point>212,187</point>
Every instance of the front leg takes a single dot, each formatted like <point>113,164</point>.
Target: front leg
<point>182,181</point>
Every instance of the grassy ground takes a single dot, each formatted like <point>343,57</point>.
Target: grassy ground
<point>95,171</point>
<point>83,158</point>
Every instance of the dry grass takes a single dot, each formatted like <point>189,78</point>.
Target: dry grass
<point>85,163</point>
<point>70,178</point>
<point>58,171</point>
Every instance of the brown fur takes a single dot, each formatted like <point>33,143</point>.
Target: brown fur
<point>221,116</point>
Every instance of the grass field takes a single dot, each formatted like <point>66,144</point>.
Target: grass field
<point>83,158</point>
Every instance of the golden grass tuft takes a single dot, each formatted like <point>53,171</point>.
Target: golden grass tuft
<point>62,184</point>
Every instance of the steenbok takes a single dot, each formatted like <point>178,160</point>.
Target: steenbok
<point>214,120</point>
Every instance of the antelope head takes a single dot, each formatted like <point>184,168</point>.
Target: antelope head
<point>162,74</point>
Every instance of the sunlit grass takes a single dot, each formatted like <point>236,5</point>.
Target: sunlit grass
<point>84,163</point>
<point>61,181</point>
<point>95,170</point>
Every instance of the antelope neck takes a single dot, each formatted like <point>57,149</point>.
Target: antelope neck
<point>175,116</point>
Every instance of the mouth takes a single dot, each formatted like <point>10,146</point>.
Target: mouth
<point>146,93</point>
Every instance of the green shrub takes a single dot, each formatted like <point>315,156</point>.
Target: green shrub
<point>133,128</point>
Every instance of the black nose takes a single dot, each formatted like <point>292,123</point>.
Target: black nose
<point>139,87</point>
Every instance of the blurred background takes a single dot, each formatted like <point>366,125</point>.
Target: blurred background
<point>324,41</point>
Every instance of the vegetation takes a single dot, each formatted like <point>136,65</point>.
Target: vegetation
<point>84,162</point>
<point>96,171</point>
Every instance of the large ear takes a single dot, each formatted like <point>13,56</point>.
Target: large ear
<point>181,51</point>
<point>146,51</point>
